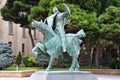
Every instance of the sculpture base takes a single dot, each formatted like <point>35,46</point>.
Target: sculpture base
<point>62,75</point>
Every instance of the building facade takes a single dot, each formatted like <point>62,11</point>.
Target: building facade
<point>16,36</point>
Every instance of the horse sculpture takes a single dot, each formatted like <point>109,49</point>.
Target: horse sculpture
<point>52,44</point>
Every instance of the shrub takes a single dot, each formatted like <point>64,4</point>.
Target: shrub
<point>42,60</point>
<point>6,55</point>
<point>29,61</point>
<point>19,59</point>
<point>115,64</point>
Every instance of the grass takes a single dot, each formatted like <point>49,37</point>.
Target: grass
<point>13,68</point>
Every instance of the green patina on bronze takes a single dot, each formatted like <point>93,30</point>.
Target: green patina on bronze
<point>56,41</point>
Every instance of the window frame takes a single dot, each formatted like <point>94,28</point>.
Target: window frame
<point>23,32</point>
<point>23,48</point>
<point>10,28</point>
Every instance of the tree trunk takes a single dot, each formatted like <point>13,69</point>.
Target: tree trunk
<point>31,37</point>
<point>97,57</point>
<point>91,57</point>
<point>118,52</point>
<point>108,50</point>
<point>88,49</point>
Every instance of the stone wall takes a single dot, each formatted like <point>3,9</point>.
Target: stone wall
<point>29,72</point>
<point>16,73</point>
<point>104,71</point>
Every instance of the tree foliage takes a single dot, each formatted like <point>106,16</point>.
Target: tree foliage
<point>110,24</point>
<point>6,55</point>
<point>42,60</point>
<point>41,11</point>
<point>29,61</point>
<point>19,59</point>
<point>11,11</point>
<point>97,6</point>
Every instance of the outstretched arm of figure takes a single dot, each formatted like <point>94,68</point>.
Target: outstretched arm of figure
<point>66,13</point>
<point>66,10</point>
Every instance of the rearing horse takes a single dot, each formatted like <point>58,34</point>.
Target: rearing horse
<point>52,44</point>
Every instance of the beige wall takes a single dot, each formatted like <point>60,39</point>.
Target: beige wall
<point>16,37</point>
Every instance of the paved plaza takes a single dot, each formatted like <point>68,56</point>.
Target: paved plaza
<point>107,77</point>
<point>99,77</point>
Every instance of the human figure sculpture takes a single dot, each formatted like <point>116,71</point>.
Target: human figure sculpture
<point>58,20</point>
<point>53,44</point>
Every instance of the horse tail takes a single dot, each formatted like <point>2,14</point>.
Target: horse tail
<point>80,34</point>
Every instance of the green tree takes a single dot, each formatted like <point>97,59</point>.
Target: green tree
<point>96,38</point>
<point>6,55</point>
<point>85,14</point>
<point>110,24</point>
<point>97,6</point>
<point>110,27</point>
<point>19,59</point>
<point>40,11</point>
<point>18,11</point>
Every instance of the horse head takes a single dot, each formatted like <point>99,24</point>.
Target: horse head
<point>44,28</point>
<point>38,25</point>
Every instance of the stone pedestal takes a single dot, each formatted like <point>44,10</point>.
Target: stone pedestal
<point>62,75</point>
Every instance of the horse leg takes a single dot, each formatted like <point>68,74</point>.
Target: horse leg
<point>50,63</point>
<point>73,63</point>
<point>36,49</point>
<point>77,65</point>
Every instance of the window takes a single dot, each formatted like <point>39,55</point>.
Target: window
<point>10,27</point>
<point>23,32</point>
<point>23,48</point>
<point>34,33</point>
<point>10,44</point>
